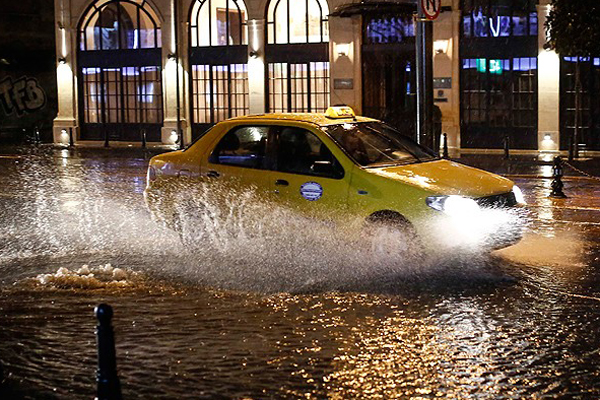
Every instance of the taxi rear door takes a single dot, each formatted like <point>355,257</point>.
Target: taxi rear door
<point>236,160</point>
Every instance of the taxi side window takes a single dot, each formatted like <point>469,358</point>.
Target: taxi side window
<point>302,152</point>
<point>243,146</point>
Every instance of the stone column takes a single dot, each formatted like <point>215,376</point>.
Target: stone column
<point>66,67</point>
<point>171,67</point>
<point>256,65</point>
<point>345,66</point>
<point>548,89</point>
<point>453,128</point>
<point>445,61</point>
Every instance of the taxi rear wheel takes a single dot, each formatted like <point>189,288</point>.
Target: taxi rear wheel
<point>189,225</point>
<point>391,234</point>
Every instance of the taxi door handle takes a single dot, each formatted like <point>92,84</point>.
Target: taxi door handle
<point>212,174</point>
<point>282,182</point>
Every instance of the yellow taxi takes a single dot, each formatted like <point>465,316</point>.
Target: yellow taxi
<point>335,166</point>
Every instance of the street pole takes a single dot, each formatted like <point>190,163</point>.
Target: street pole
<point>419,61</point>
<point>428,84</point>
<point>177,94</point>
<point>424,61</point>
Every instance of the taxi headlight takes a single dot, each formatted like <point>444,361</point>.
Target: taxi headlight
<point>518,195</point>
<point>453,205</point>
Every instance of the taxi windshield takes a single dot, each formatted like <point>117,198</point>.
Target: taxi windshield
<point>373,144</point>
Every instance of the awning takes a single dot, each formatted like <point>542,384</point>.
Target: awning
<point>373,8</point>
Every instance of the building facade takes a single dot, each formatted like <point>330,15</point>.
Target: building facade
<point>28,101</point>
<point>153,68</point>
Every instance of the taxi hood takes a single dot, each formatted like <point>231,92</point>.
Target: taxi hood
<point>447,178</point>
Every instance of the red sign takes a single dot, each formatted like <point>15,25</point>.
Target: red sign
<point>431,8</point>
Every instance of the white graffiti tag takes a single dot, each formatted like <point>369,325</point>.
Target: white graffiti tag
<point>21,96</point>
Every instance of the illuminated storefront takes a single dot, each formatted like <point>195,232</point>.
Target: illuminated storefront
<point>498,51</point>
<point>218,61</point>
<point>297,54</point>
<point>130,66</point>
<point>120,80</point>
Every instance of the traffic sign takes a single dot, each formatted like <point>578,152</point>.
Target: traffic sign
<point>431,8</point>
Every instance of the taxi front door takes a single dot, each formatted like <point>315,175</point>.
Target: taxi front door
<point>306,176</point>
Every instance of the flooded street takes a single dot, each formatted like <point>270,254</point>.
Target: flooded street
<point>286,314</point>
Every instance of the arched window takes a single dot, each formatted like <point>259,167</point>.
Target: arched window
<point>218,23</point>
<point>219,61</point>
<point>297,21</point>
<point>119,63</point>
<point>297,56</point>
<point>120,25</point>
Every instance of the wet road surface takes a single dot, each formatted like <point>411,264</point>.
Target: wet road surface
<point>521,322</point>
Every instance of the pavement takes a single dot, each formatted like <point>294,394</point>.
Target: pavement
<point>518,165</point>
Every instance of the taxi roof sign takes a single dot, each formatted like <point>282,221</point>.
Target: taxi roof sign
<point>336,112</point>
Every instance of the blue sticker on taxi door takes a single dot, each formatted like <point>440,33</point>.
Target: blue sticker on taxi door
<point>311,191</point>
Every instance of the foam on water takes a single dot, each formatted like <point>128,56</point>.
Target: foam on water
<point>83,211</point>
<point>86,277</point>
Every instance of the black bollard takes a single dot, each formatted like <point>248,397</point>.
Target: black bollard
<point>36,136</point>
<point>109,387</point>
<point>445,148</point>
<point>557,184</point>
<point>71,140</point>
<point>181,142</point>
<point>106,144</point>
<point>143,138</point>
<point>571,148</point>
<point>506,142</point>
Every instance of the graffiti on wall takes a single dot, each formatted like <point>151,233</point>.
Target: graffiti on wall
<point>22,96</point>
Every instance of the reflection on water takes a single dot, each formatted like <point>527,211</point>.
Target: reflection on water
<point>255,318</point>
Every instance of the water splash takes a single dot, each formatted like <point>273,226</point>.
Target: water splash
<point>89,212</point>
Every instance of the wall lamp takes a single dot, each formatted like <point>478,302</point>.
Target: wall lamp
<point>343,49</point>
<point>171,57</point>
<point>254,54</point>
<point>441,46</point>
<point>62,60</point>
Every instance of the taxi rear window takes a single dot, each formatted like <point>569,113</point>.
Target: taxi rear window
<point>373,144</point>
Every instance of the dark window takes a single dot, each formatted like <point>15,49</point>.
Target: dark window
<point>244,147</point>
<point>498,80</point>
<point>302,152</point>
<point>499,93</point>
<point>588,135</point>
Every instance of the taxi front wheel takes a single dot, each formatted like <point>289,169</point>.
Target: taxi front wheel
<point>391,234</point>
